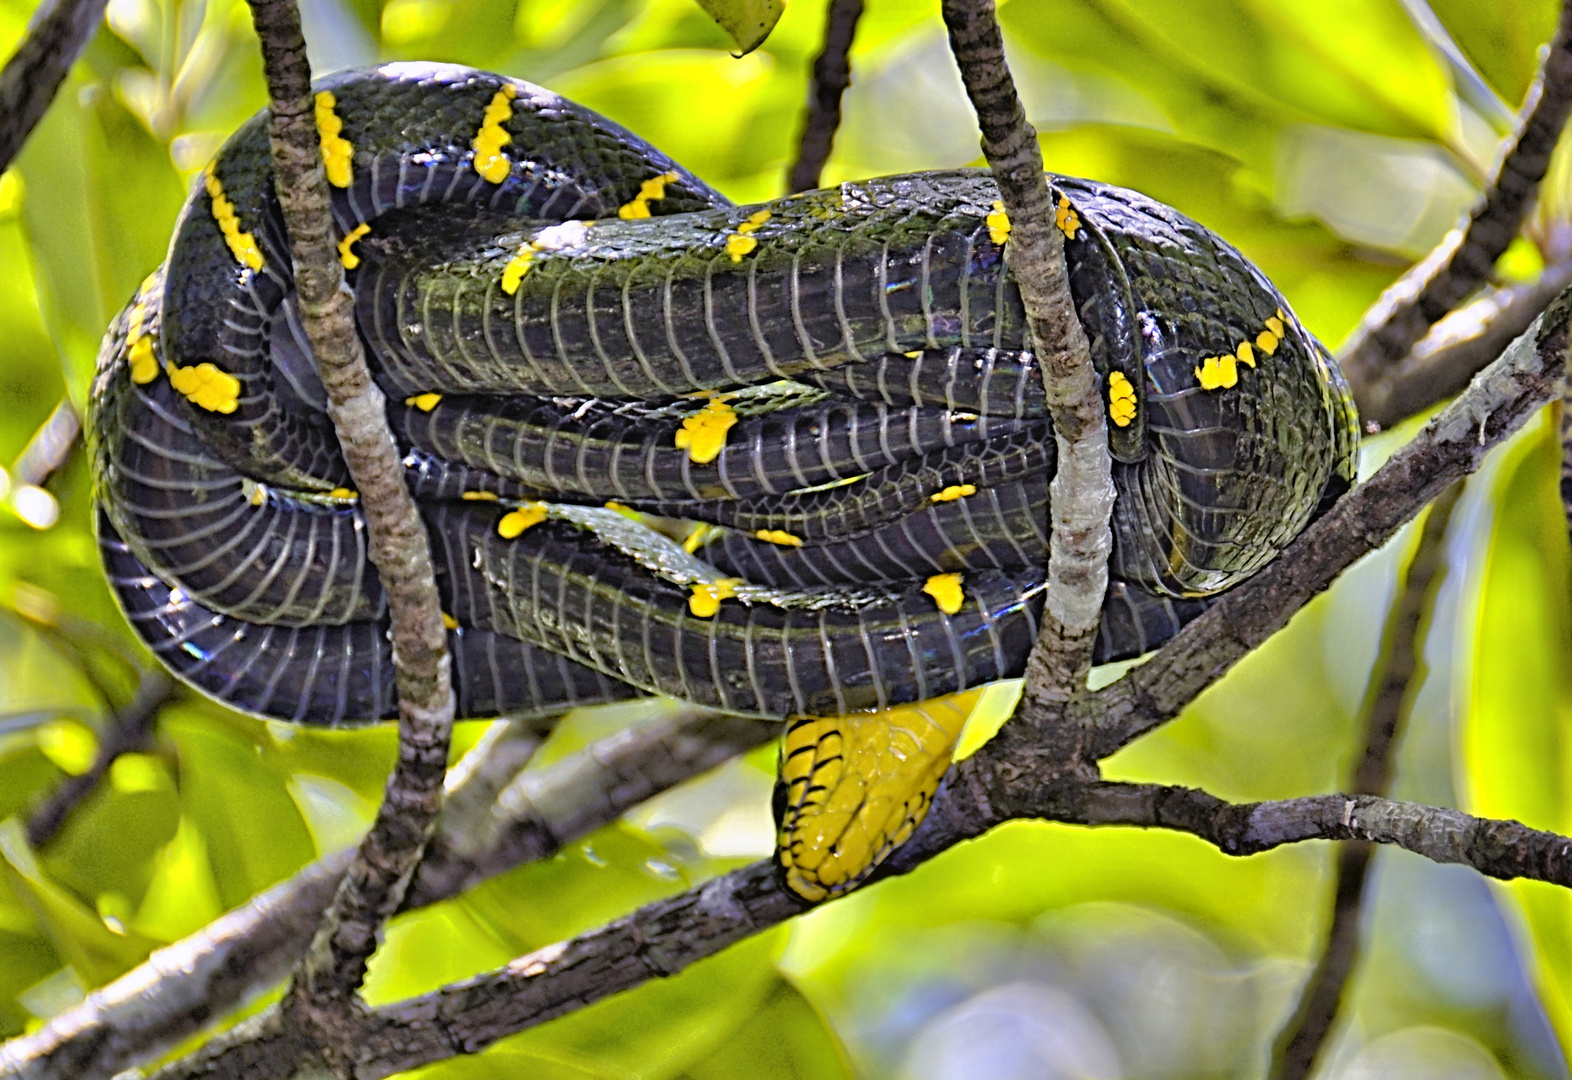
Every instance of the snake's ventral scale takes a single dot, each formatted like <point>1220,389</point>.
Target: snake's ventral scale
<point>788,460</point>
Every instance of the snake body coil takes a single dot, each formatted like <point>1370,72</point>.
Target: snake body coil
<point>829,399</point>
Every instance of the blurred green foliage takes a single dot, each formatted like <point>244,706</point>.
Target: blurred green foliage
<point>1332,140</point>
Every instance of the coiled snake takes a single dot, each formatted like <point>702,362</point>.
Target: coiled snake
<point>786,460</point>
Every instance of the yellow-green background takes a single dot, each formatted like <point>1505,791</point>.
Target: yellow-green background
<point>1332,140</point>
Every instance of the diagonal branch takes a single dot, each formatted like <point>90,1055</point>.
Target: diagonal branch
<point>1081,494</point>
<point>185,986</point>
<point>323,994</point>
<point>831,77</point>
<point>1305,1035</point>
<point>667,936</point>
<point>61,30</point>
<point>1463,260</point>
<point>1458,346</point>
<point>128,729</point>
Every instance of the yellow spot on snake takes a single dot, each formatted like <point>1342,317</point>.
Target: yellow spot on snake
<point>337,153</point>
<point>914,354</point>
<point>242,245</point>
<point>946,592</point>
<point>514,522</point>
<point>256,494</point>
<point>478,496</point>
<point>706,598</point>
<point>1222,372</point>
<point>1121,399</point>
<point>424,402</point>
<point>342,493</point>
<point>206,386</point>
<point>490,162</point>
<point>1267,342</point>
<point>953,492</point>
<point>652,190</point>
<point>518,266</point>
<point>778,536</point>
<point>144,365</point>
<point>857,786</point>
<point>346,253</point>
<point>998,223</point>
<point>1065,217</point>
<point>704,433</point>
<point>449,621</point>
<point>741,243</point>
<point>695,539</point>
<point>1217,373</point>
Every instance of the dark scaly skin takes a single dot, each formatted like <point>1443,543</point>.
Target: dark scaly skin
<point>809,653</point>
<point>836,287</point>
<point>567,162</point>
<point>626,450</point>
<point>889,494</point>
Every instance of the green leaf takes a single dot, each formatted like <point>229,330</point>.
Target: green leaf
<point>80,936</point>
<point>239,802</point>
<point>748,22</point>
<point>1517,727</point>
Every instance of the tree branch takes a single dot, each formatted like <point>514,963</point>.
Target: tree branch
<point>1464,259</point>
<point>1081,494</point>
<point>1454,350</point>
<point>831,77</point>
<point>129,729</point>
<point>667,936</point>
<point>1305,1035</point>
<point>322,995</point>
<point>60,31</point>
<point>185,986</point>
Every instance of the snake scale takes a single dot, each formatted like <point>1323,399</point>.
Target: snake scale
<point>788,460</point>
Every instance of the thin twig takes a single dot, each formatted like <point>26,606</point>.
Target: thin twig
<point>323,993</point>
<point>187,985</point>
<point>50,447</point>
<point>128,730</point>
<point>1463,261</point>
<point>60,31</point>
<point>1307,1032</point>
<point>1458,346</point>
<point>831,77</point>
<point>1081,494</point>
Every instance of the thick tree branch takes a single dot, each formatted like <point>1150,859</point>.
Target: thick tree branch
<point>60,31</point>
<point>1463,261</point>
<point>671,935</point>
<point>129,729</point>
<point>1497,403</point>
<point>1307,1032</point>
<point>1081,494</point>
<point>187,985</point>
<point>831,77</point>
<point>322,995</point>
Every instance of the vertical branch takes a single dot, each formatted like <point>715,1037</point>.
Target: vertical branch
<point>60,31</point>
<point>1463,261</point>
<point>1307,1033</point>
<point>831,77</point>
<point>323,992</point>
<point>1081,495</point>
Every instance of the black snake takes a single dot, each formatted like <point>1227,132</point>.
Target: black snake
<point>785,460</point>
